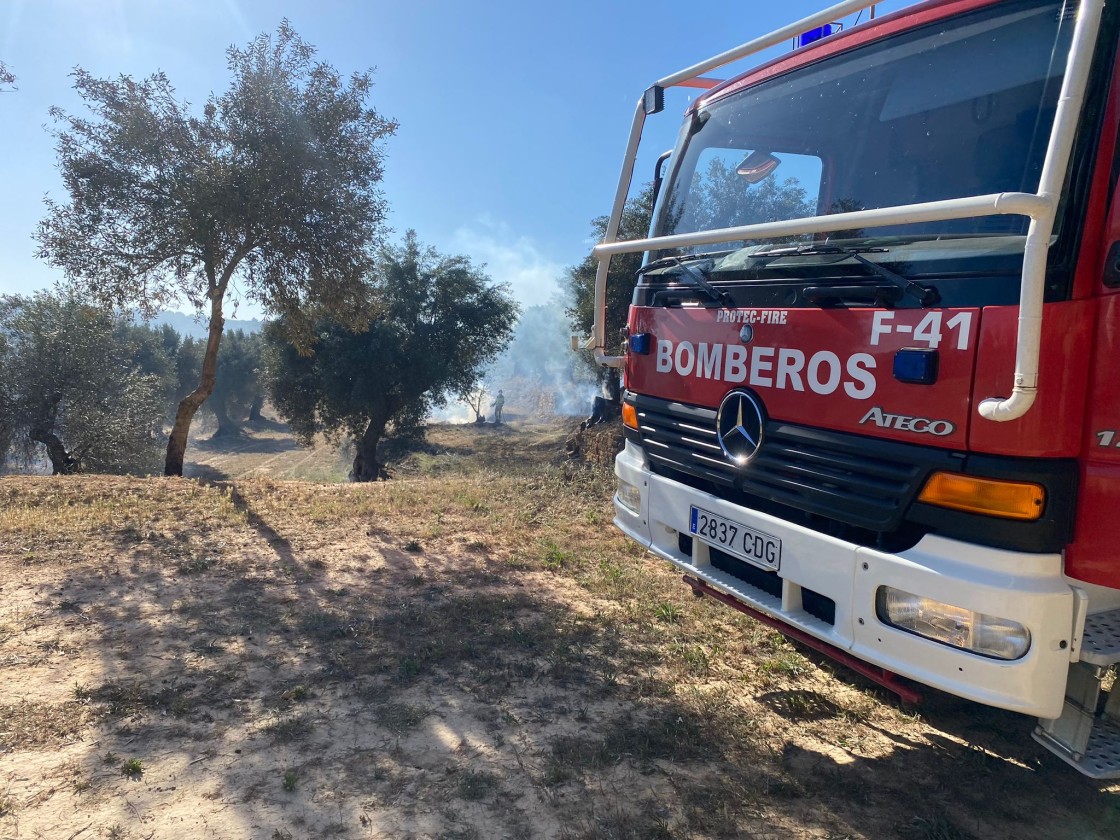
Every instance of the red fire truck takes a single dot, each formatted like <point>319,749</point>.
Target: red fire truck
<point>872,366</point>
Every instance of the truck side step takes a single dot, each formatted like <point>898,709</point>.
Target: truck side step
<point>1087,735</point>
<point>1100,644</point>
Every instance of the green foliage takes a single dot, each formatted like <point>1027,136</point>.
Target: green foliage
<point>8,425</point>
<point>667,612</point>
<point>554,557</point>
<point>240,379</point>
<point>275,184</point>
<point>154,350</point>
<point>621,276</point>
<point>188,365</point>
<point>442,322</point>
<point>82,382</point>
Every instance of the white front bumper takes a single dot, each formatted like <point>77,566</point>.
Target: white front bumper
<point>1027,588</point>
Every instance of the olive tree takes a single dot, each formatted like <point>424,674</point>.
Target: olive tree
<point>443,322</point>
<point>272,189</point>
<point>622,274</point>
<point>7,414</point>
<point>80,385</point>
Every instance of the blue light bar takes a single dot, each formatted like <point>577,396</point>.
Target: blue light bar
<point>806,38</point>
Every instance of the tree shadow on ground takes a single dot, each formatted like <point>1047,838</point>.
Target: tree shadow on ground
<point>244,444</point>
<point>203,472</point>
<point>269,424</point>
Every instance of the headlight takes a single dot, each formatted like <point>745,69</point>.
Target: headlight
<point>629,496</point>
<point>987,635</point>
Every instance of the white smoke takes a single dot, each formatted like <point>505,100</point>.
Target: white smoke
<point>539,372</point>
<point>540,375</point>
<point>514,260</point>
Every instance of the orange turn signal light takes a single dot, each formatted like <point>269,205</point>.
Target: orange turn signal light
<point>629,416</point>
<point>986,496</point>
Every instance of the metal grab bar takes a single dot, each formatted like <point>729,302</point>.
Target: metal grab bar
<point>995,204</point>
<point>1041,208</point>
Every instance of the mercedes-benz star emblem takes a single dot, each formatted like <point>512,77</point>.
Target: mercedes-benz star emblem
<point>746,333</point>
<point>739,425</point>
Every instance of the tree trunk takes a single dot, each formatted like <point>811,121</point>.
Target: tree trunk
<point>255,409</point>
<point>366,467</point>
<point>61,461</point>
<point>177,442</point>
<point>613,385</point>
<point>226,425</point>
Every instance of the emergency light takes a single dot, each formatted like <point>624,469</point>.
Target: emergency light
<point>640,343</point>
<point>810,36</point>
<point>917,365</point>
<point>806,38</point>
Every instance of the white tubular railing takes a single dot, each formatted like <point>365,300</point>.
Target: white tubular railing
<point>996,204</point>
<point>1040,208</point>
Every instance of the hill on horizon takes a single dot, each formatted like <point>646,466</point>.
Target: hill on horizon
<point>190,325</point>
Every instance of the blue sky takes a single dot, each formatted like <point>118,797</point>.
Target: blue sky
<point>513,115</point>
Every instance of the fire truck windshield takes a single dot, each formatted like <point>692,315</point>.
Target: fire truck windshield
<point>956,108</point>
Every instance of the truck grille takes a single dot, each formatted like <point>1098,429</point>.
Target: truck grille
<point>860,481</point>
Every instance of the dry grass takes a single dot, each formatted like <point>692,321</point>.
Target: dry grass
<point>32,726</point>
<point>469,650</point>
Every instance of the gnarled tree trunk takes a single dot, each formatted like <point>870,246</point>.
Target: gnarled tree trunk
<point>61,461</point>
<point>227,427</point>
<point>366,466</point>
<point>189,405</point>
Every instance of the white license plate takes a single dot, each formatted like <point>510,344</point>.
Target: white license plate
<point>755,547</point>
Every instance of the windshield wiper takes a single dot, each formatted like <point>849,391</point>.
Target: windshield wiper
<point>925,295</point>
<point>679,260</point>
<point>696,274</point>
<point>816,250</point>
